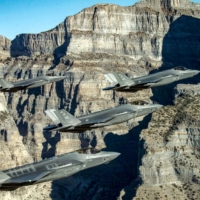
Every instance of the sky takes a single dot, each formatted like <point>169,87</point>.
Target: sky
<point>35,16</point>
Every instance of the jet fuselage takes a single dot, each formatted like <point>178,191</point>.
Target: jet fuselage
<point>32,83</point>
<point>107,117</point>
<point>123,83</point>
<point>169,76</point>
<point>54,168</point>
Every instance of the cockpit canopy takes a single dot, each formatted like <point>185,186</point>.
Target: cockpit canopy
<point>180,68</point>
<point>50,73</point>
<point>139,102</point>
<point>89,150</point>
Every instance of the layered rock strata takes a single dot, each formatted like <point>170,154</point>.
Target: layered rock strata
<point>170,158</point>
<point>104,38</point>
<point>96,29</point>
<point>14,153</point>
<point>4,47</point>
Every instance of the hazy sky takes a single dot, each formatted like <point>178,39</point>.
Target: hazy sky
<point>35,16</point>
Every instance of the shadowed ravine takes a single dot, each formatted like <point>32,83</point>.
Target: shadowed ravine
<point>179,50</point>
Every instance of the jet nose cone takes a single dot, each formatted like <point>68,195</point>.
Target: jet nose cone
<point>62,77</point>
<point>155,107</point>
<point>114,155</point>
<point>196,71</point>
<point>158,106</point>
<point>192,72</point>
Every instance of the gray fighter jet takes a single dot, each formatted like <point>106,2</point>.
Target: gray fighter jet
<point>54,168</point>
<point>65,122</point>
<point>120,82</point>
<point>6,86</point>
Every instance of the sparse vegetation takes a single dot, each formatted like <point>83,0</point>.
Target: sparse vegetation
<point>3,116</point>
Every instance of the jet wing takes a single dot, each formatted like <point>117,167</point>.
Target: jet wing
<point>169,78</point>
<point>5,84</point>
<point>31,85</point>
<point>3,177</point>
<point>36,176</point>
<point>40,175</point>
<point>31,177</point>
<point>146,82</point>
<point>58,128</point>
<point>121,87</point>
<point>115,87</point>
<point>71,162</point>
<point>21,86</point>
<point>105,119</point>
<point>38,84</point>
<point>100,120</point>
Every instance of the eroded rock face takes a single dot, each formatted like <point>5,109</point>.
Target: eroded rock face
<point>104,38</point>
<point>4,47</point>
<point>97,29</point>
<point>169,165</point>
<point>13,153</point>
<point>35,44</point>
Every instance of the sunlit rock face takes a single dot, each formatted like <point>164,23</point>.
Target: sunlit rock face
<point>4,47</point>
<point>135,40</point>
<point>102,28</point>
<point>170,154</point>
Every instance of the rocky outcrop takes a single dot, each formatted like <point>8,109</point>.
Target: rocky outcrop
<point>170,158</point>
<point>13,153</point>
<point>96,30</point>
<point>4,47</point>
<point>135,40</point>
<point>35,44</point>
<point>189,89</point>
<point>168,4</point>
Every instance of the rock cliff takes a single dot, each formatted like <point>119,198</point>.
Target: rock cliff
<point>148,36</point>
<point>14,153</point>
<point>170,153</point>
<point>4,47</point>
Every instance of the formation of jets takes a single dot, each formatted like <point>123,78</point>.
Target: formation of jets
<point>70,163</point>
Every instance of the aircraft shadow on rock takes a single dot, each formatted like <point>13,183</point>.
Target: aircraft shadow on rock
<point>54,168</point>
<point>120,82</point>
<point>65,122</point>
<point>39,81</point>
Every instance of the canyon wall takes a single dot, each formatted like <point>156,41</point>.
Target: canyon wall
<point>4,47</point>
<point>170,154</point>
<point>148,36</point>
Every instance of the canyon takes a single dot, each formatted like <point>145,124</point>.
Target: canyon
<point>159,152</point>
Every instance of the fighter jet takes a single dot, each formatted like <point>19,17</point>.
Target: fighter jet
<point>65,122</point>
<point>54,168</point>
<point>6,86</point>
<point>120,82</point>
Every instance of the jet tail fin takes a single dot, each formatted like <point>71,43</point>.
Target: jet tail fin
<point>118,80</point>
<point>3,177</point>
<point>62,117</point>
<point>5,84</point>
